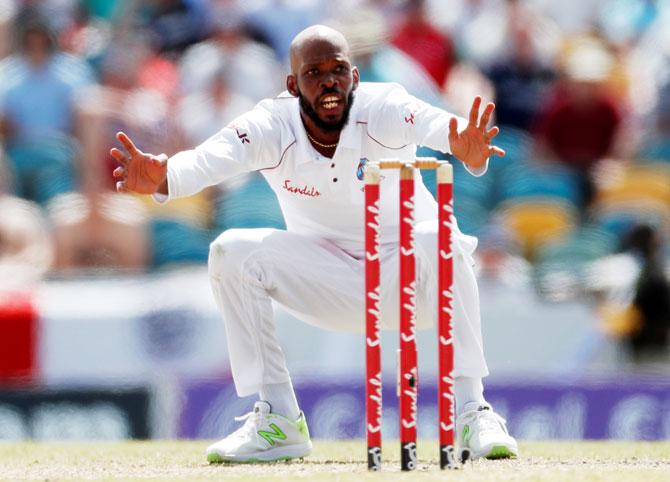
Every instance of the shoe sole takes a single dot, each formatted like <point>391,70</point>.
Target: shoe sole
<point>281,454</point>
<point>500,452</point>
<point>217,459</point>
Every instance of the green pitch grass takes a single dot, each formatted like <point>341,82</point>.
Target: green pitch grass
<point>332,461</point>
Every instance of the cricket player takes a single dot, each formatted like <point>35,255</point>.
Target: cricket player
<point>311,143</point>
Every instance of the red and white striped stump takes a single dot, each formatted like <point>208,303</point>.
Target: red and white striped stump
<point>407,359</point>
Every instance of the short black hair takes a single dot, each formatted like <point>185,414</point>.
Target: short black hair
<point>35,24</point>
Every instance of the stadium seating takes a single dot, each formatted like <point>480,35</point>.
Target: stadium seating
<point>632,194</point>
<point>178,242</point>
<point>560,265</point>
<point>635,182</point>
<point>537,220</point>
<point>248,202</point>
<point>527,180</point>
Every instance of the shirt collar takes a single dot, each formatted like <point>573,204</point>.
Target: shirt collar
<point>349,137</point>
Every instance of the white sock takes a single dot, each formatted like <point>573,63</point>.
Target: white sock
<point>281,398</point>
<point>467,390</point>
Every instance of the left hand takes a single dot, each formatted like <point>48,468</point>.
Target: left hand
<point>473,146</point>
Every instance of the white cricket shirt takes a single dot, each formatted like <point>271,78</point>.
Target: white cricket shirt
<point>319,196</point>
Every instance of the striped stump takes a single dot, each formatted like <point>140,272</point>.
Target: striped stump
<point>373,387</point>
<point>445,278</point>
<point>408,354</point>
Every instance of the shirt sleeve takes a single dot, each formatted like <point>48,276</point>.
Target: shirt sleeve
<point>399,119</point>
<point>250,142</point>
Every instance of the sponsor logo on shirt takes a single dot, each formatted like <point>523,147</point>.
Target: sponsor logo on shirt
<point>243,137</point>
<point>241,134</point>
<point>304,191</point>
<point>409,113</point>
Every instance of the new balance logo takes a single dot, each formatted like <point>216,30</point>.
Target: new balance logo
<point>276,434</point>
<point>466,433</point>
<point>242,136</point>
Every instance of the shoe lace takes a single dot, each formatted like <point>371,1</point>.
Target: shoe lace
<point>250,420</point>
<point>491,422</point>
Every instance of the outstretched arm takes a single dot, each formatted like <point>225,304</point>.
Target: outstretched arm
<point>403,119</point>
<point>251,142</point>
<point>472,145</point>
<point>139,172</point>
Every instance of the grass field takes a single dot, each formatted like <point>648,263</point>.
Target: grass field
<point>331,461</point>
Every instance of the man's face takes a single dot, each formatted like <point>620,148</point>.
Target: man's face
<point>36,45</point>
<point>325,84</point>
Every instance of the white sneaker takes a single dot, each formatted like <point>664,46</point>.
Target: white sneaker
<point>483,433</point>
<point>264,437</point>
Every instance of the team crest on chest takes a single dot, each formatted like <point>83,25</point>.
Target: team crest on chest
<point>360,170</point>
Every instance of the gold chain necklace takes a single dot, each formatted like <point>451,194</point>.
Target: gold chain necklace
<point>327,146</point>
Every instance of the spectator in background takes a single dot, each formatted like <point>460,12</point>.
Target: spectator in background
<point>176,24</point>
<point>379,61</point>
<point>475,17</point>
<point>580,122</point>
<point>99,232</point>
<point>656,144</point>
<point>134,77</point>
<point>94,228</point>
<point>244,59</point>
<point>202,113</point>
<point>423,42</point>
<point>574,17</point>
<point>87,36</point>
<point>38,86</point>
<point>26,250</point>
<point>276,22</point>
<point>26,246</point>
<point>521,79</point>
<point>651,333</point>
<point>5,175</point>
<point>8,10</point>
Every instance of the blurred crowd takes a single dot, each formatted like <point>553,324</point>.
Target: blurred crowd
<point>579,206</point>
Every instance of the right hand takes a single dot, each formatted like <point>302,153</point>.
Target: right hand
<point>139,172</point>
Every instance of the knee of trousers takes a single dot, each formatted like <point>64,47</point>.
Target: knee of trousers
<point>229,251</point>
<point>425,240</point>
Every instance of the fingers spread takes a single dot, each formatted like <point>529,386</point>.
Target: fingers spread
<point>160,160</point>
<point>474,111</point>
<point>127,143</point>
<point>119,172</point>
<point>453,128</point>
<point>491,133</point>
<point>496,151</point>
<point>119,156</point>
<point>486,116</point>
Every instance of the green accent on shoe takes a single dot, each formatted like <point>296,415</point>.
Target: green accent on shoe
<point>500,452</point>
<point>271,436</point>
<point>214,458</point>
<point>466,434</point>
<point>217,459</point>
<point>302,425</point>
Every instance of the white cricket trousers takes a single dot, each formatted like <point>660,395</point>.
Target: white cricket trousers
<point>322,285</point>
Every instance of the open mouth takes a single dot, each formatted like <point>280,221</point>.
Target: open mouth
<point>330,102</point>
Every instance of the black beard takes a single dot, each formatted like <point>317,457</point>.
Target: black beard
<point>309,111</point>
